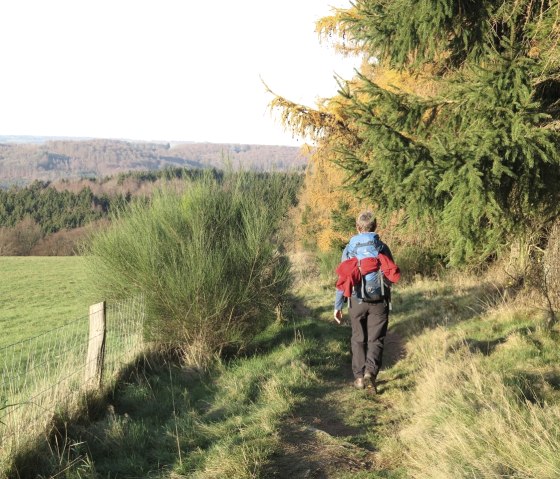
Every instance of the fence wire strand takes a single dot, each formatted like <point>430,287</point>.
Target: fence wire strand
<point>45,375</point>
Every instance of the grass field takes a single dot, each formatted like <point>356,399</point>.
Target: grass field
<point>40,293</point>
<point>470,388</point>
<point>44,320</point>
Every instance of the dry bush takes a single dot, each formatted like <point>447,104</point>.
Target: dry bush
<point>20,240</point>
<point>62,243</point>
<point>27,234</point>
<point>305,268</point>
<point>8,245</point>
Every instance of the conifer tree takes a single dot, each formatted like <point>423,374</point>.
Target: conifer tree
<point>322,193</point>
<point>482,152</point>
<point>475,144</point>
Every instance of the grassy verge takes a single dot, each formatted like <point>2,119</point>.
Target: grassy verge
<point>485,400</point>
<point>165,420</point>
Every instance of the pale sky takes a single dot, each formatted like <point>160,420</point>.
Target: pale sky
<point>162,70</point>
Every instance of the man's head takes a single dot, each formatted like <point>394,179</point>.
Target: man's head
<point>366,222</point>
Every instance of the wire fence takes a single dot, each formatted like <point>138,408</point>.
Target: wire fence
<point>47,375</point>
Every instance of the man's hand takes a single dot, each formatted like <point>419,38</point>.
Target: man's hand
<point>338,315</point>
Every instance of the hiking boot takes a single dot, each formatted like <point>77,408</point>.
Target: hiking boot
<point>370,382</point>
<point>359,383</point>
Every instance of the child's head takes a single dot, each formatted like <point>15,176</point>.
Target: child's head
<point>366,222</point>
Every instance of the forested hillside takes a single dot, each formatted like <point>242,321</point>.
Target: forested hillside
<point>50,218</point>
<point>56,159</point>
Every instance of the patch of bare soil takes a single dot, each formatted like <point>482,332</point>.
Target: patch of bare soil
<point>309,452</point>
<point>331,433</point>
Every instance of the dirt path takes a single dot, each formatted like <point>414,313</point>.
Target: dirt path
<point>333,432</point>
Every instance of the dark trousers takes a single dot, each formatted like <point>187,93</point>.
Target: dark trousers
<point>369,327</point>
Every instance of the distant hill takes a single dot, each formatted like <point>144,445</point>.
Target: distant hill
<point>24,159</point>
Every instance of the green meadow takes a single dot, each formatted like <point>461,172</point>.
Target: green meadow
<point>41,293</point>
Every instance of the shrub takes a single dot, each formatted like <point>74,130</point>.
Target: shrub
<point>20,239</point>
<point>328,262</point>
<point>206,261</point>
<point>65,242</point>
<point>416,260</point>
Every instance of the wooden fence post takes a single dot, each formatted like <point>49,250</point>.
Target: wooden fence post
<point>96,345</point>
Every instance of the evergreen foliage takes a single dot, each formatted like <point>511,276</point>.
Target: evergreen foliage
<point>477,150</point>
<point>168,173</point>
<point>54,210</point>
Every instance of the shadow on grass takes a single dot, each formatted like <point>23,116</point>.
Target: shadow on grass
<point>300,323</point>
<point>415,311</point>
<point>131,431</point>
<point>125,433</point>
<point>419,310</point>
<point>320,438</point>
<point>333,430</point>
<point>486,348</point>
<point>536,388</point>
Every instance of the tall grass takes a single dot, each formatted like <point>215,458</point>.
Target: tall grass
<point>42,381</point>
<point>467,420</point>
<point>328,262</point>
<point>485,402</point>
<point>165,420</point>
<point>207,260</point>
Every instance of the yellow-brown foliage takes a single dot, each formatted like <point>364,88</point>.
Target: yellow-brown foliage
<point>330,130</point>
<point>331,29</point>
<point>324,190</point>
<point>403,81</point>
<point>323,193</point>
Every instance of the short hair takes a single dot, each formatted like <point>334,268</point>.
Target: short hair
<point>366,222</point>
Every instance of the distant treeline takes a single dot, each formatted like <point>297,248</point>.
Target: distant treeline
<point>49,218</point>
<point>168,173</point>
<point>54,160</point>
<point>54,207</point>
<point>54,210</point>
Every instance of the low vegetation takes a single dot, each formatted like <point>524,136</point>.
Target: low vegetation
<point>207,260</point>
<point>470,388</point>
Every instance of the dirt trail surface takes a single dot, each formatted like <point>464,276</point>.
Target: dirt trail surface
<point>332,433</point>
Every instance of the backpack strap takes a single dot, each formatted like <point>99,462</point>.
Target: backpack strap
<point>367,243</point>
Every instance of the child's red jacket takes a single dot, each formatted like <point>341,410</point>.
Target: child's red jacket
<point>349,273</point>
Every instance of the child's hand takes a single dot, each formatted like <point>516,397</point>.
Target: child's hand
<point>338,315</point>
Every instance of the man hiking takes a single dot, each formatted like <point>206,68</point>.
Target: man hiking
<point>365,275</point>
